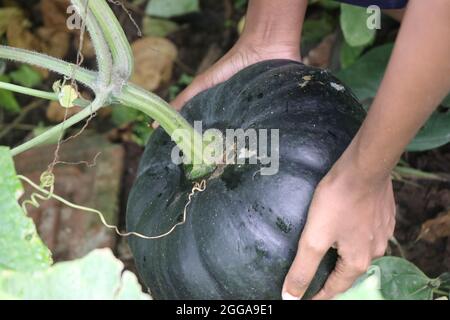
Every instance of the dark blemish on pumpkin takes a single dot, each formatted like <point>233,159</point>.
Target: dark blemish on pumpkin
<point>260,95</point>
<point>331,133</point>
<point>283,226</point>
<point>145,259</point>
<point>231,178</point>
<point>160,195</point>
<point>261,252</point>
<point>28,237</point>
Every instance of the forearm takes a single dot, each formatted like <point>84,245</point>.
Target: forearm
<point>416,81</point>
<point>275,22</point>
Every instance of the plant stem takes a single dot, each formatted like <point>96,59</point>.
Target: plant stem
<point>170,120</point>
<point>80,116</point>
<point>115,37</point>
<point>104,58</point>
<point>30,92</point>
<point>68,69</point>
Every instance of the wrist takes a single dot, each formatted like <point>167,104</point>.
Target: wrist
<point>275,24</point>
<point>359,167</point>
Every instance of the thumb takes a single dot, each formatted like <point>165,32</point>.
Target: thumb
<point>304,267</point>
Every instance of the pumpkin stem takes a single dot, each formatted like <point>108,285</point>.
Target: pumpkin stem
<point>192,143</point>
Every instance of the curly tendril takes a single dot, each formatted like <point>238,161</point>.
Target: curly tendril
<point>46,192</point>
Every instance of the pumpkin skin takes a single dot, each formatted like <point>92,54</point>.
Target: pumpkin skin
<point>242,232</point>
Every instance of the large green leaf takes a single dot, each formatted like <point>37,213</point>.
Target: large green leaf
<point>154,27</point>
<point>171,8</point>
<point>349,55</point>
<point>402,280</point>
<point>20,247</point>
<point>25,262</point>
<point>364,78</point>
<point>435,133</point>
<point>98,276</point>
<point>354,25</point>
<point>365,75</point>
<point>366,287</point>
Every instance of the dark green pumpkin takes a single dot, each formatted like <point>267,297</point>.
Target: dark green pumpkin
<point>241,234</point>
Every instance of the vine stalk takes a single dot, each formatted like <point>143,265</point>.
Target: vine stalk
<point>110,84</point>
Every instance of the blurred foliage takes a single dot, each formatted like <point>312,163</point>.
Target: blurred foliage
<point>354,26</point>
<point>7,100</point>
<point>158,27</point>
<point>365,75</point>
<point>24,76</point>
<point>139,123</point>
<point>177,87</point>
<point>171,8</point>
<point>21,248</point>
<point>314,30</point>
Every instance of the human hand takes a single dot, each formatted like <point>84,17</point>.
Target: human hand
<point>243,54</point>
<point>350,213</point>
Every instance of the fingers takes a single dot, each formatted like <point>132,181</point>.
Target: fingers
<point>347,270</point>
<point>303,269</point>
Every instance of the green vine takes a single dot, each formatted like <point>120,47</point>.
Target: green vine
<point>110,83</point>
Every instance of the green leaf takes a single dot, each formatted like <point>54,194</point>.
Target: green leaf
<point>240,4</point>
<point>402,280</point>
<point>314,30</point>
<point>26,76</point>
<point>122,115</point>
<point>367,287</point>
<point>98,276</point>
<point>349,55</point>
<point>327,4</point>
<point>354,25</point>
<point>155,27</point>
<point>21,248</point>
<point>7,99</point>
<point>365,75</point>
<point>171,8</point>
<point>435,133</point>
<point>364,78</point>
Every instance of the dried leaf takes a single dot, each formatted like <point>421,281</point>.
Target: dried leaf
<point>8,15</point>
<point>158,27</point>
<point>54,13</point>
<point>19,36</point>
<point>155,58</point>
<point>436,228</point>
<point>53,41</point>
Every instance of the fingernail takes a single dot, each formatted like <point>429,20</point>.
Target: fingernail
<point>288,296</point>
